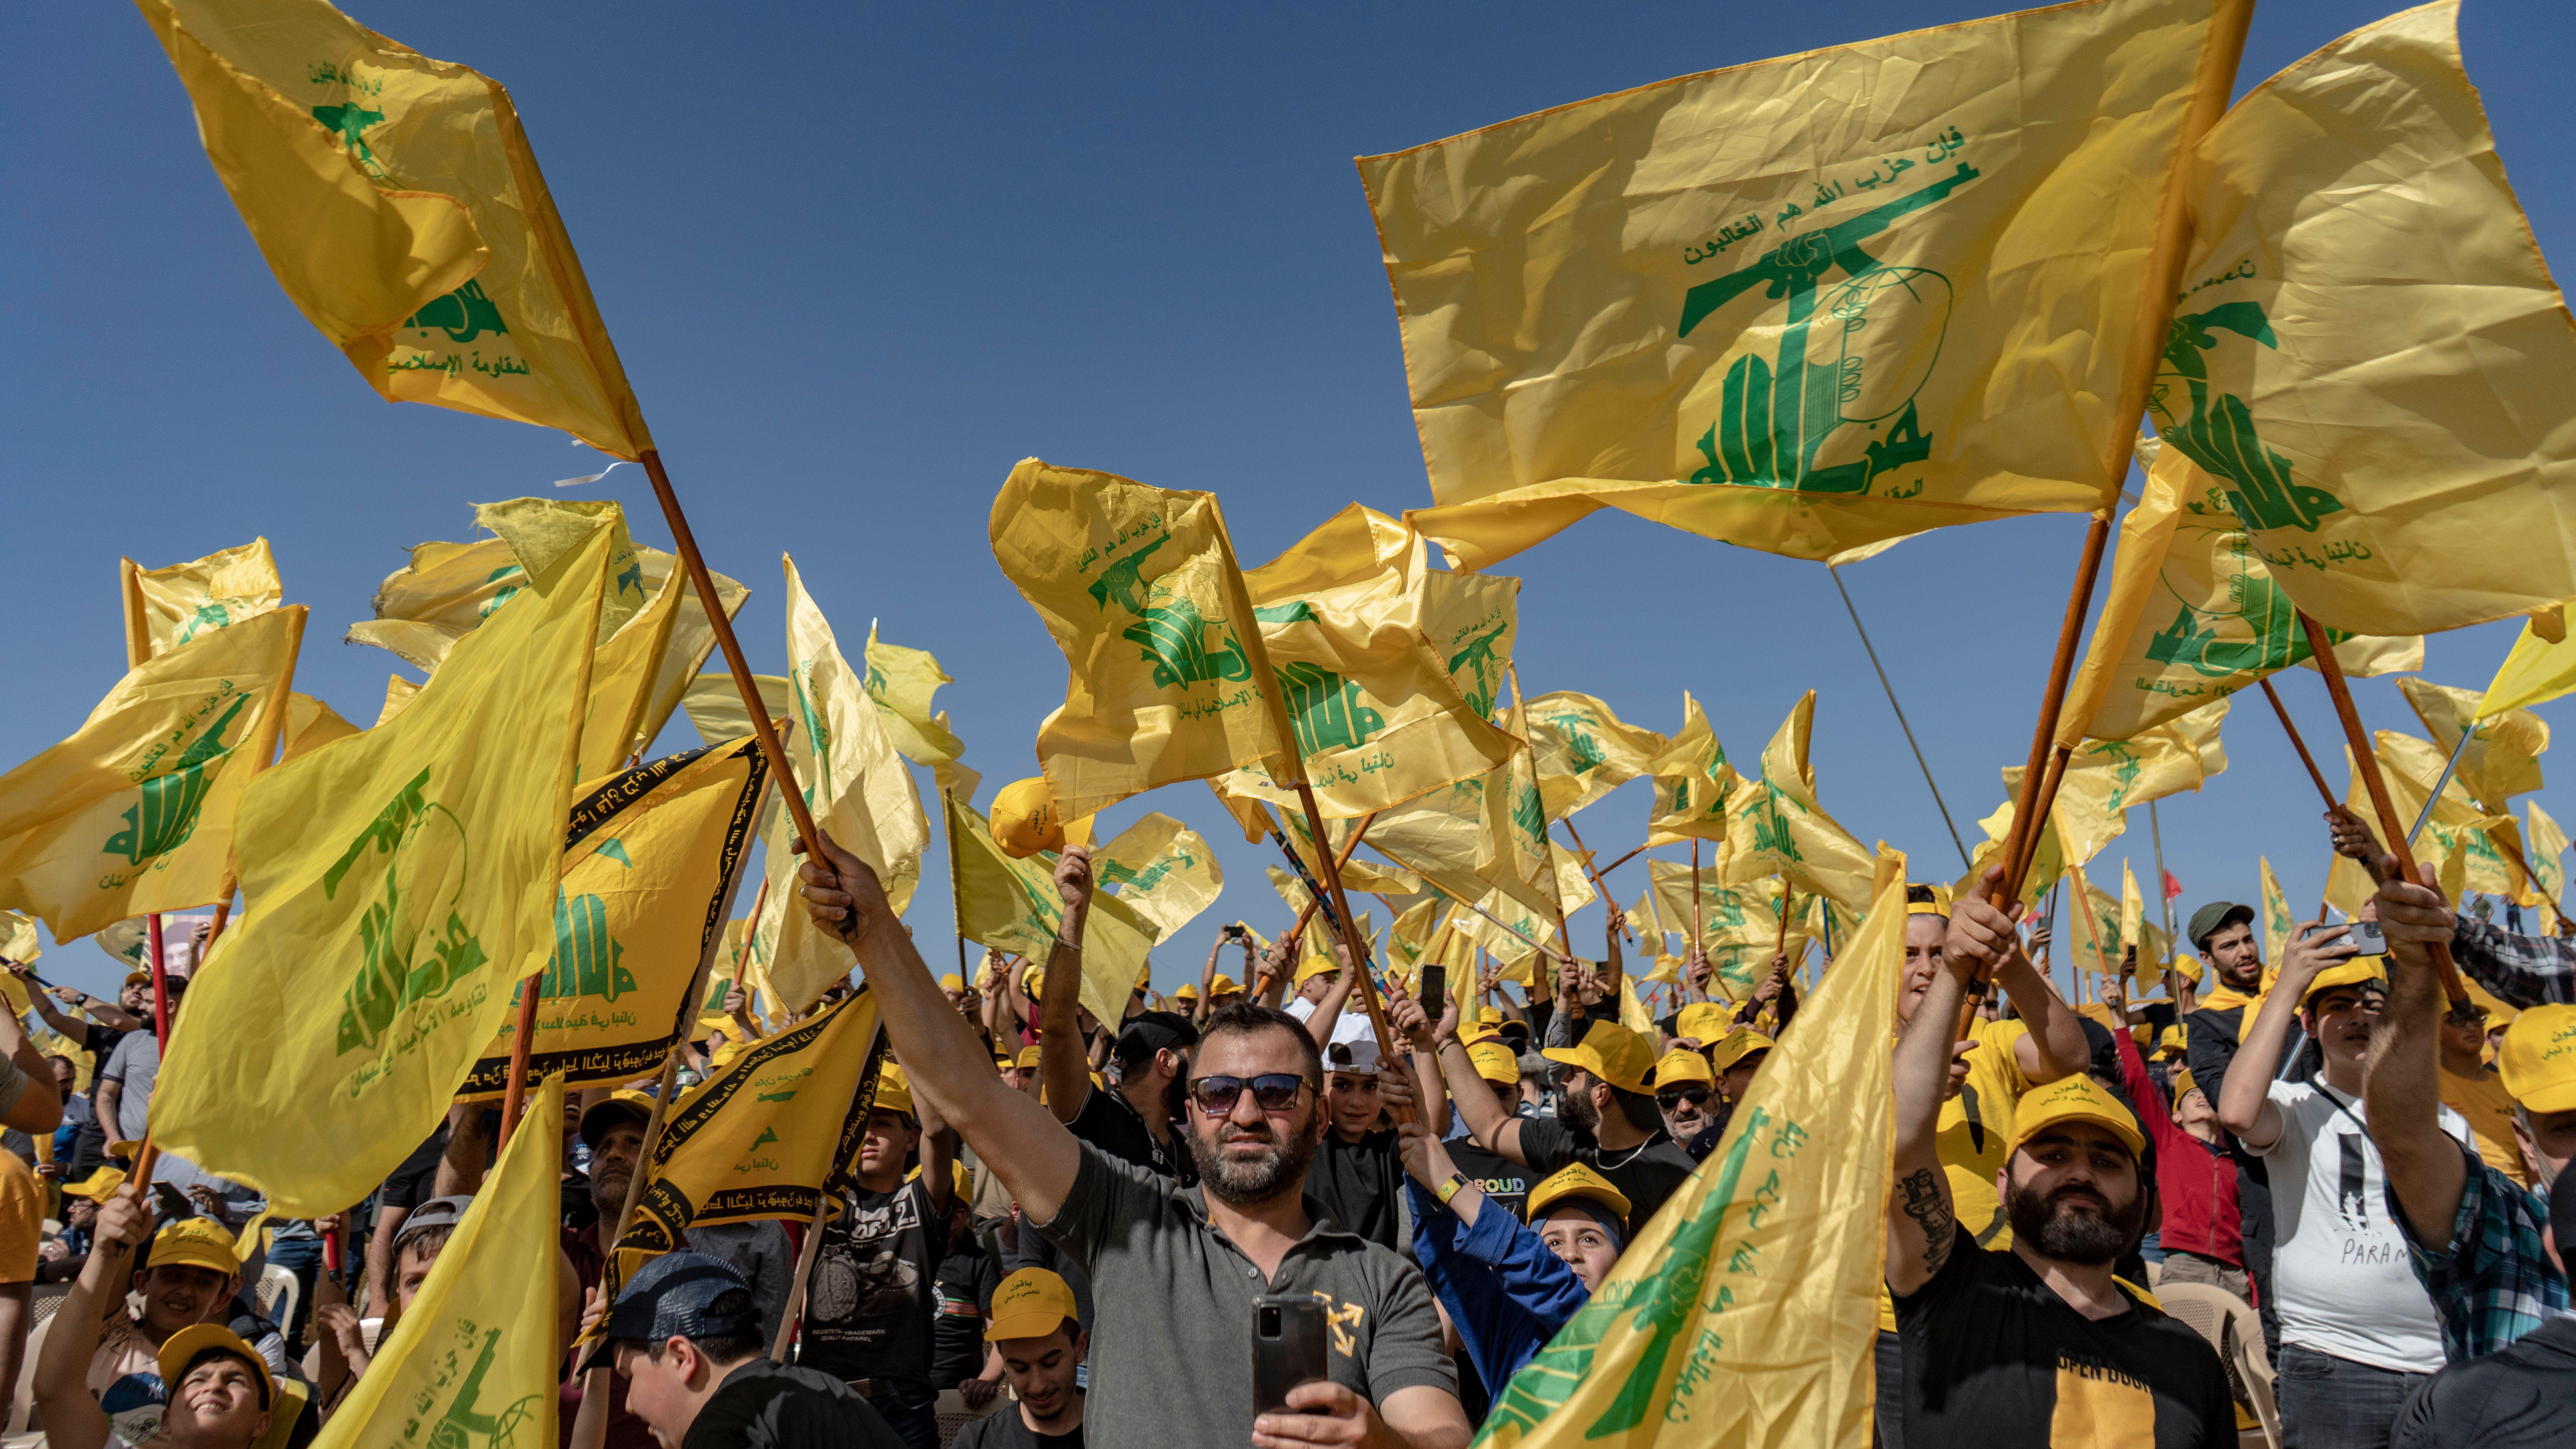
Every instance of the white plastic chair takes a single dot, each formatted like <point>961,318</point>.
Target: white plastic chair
<point>276,1295</point>
<point>2233,1329</point>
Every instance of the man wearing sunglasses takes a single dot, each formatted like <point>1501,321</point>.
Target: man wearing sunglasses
<point>1685,1093</point>
<point>1175,1271</point>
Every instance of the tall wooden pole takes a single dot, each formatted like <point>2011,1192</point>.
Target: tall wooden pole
<point>514,1097</point>
<point>2316,776</point>
<point>2366,761</point>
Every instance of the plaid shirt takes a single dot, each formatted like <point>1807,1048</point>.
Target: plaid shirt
<point>2522,971</point>
<point>2496,1282</point>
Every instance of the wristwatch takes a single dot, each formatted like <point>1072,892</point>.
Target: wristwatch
<point>1450,1188</point>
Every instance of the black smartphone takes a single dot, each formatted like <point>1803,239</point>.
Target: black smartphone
<point>2368,939</point>
<point>1237,933</point>
<point>1435,991</point>
<point>1287,1349</point>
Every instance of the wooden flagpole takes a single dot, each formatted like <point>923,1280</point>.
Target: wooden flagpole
<point>1261,980</point>
<point>2315,775</point>
<point>2213,83</point>
<point>2366,761</point>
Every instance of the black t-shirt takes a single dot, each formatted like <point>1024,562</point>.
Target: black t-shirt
<point>1645,1174</point>
<point>1005,1429</point>
<point>1994,1356</point>
<point>1499,1178</point>
<point>963,1296</point>
<point>1109,1122</point>
<point>89,1140</point>
<point>2521,1396</point>
<point>1358,1183</point>
<point>764,1405</point>
<point>868,1306</point>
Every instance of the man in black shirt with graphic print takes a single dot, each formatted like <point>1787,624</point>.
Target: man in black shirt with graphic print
<point>2002,1347</point>
<point>869,1307</point>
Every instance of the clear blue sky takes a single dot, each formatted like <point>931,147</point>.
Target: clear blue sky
<point>860,259</point>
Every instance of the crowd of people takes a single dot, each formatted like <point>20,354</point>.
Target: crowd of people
<point>1061,1229</point>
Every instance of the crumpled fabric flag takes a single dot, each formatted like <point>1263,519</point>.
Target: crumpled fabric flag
<point>2137,931</point>
<point>425,606</point>
<point>1743,1312</point>
<point>1162,870</point>
<point>902,682</point>
<point>1692,782</point>
<point>397,201</point>
<point>2502,759</point>
<point>715,706</point>
<point>2194,613</point>
<point>138,810</point>
<point>396,886</point>
<point>2544,849</point>
<point>1801,305</point>
<point>1012,906</point>
<point>2047,862</point>
<point>1739,924</point>
<point>2278,920</point>
<point>1777,828</point>
<point>167,607</point>
<point>1140,589</point>
<point>2369,351</point>
<point>1382,711</point>
<point>311,724</point>
<point>652,857</point>
<point>18,939</point>
<point>859,791</point>
<point>769,1135</point>
<point>2540,668</point>
<point>2483,844</point>
<point>1584,750</point>
<point>2104,778</point>
<point>472,1360</point>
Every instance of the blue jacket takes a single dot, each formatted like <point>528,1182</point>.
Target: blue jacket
<point>1507,1294</point>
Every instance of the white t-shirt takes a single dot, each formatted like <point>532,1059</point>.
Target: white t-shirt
<point>2339,1267</point>
<point>1352,1025</point>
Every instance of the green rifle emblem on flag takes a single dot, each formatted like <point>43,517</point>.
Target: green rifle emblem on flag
<point>1174,639</point>
<point>1325,710</point>
<point>2220,436</point>
<point>166,815</point>
<point>1478,656</point>
<point>345,122</point>
<point>464,314</point>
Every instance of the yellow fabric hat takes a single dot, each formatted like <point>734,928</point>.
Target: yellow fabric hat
<point>1681,1064</point>
<point>1030,1304</point>
<point>1735,1046</point>
<point>1611,1052</point>
<point>1495,1062</point>
<point>1575,1181</point>
<point>1188,992</point>
<point>1028,1059</point>
<point>2538,1060</point>
<point>2188,966</point>
<point>1144,975</point>
<point>1315,966</point>
<point>1489,1014</point>
<point>138,978</point>
<point>1024,818</point>
<point>1472,1032</point>
<point>951,981</point>
<point>725,1054</point>
<point>894,1091</point>
<point>98,1184</point>
<point>2174,1039</point>
<point>2182,1084</point>
<point>959,1179</point>
<point>195,1243</point>
<point>2359,971</point>
<point>195,1339</point>
<point>1705,1020</point>
<point>616,1109</point>
<point>2074,1099</point>
<point>1033,983</point>
<point>1223,985</point>
<point>1939,905</point>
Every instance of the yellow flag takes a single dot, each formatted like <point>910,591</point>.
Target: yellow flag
<point>2503,754</point>
<point>2369,350</point>
<point>2278,921</point>
<point>2193,613</point>
<point>136,811</point>
<point>1140,589</point>
<point>167,607</point>
<point>715,706</point>
<point>859,790</point>
<point>2105,777</point>
<point>1739,924</point>
<point>1742,1313</point>
<point>2545,845</point>
<point>1779,829</point>
<point>621,683</point>
<point>1585,751</point>
<point>686,647</point>
<point>1800,305</point>
<point>541,530</point>
<point>397,885</point>
<point>2048,862</point>
<point>397,201</point>
<point>902,681</point>
<point>768,1136</point>
<point>1513,851</point>
<point>2482,840</point>
<point>2541,667</point>
<point>1012,906</point>
<point>2136,930</point>
<point>473,1359</point>
<point>1692,782</point>
<point>726,972</point>
<point>311,724</point>
<point>651,860</point>
<point>424,607</point>
<point>399,693</point>
<point>18,939</point>
<point>1162,870</point>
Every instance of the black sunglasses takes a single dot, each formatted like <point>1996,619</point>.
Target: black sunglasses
<point>1694,1094</point>
<point>1271,1091</point>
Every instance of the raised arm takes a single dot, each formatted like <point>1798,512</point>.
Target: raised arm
<point>1922,1225</point>
<point>2154,1112</point>
<point>1405,1018</point>
<point>1494,1129</point>
<point>43,1000</point>
<point>2245,1105</point>
<point>1328,1012</point>
<point>2054,1046</point>
<point>1061,1062</point>
<point>39,1107</point>
<point>72,1418</point>
<point>1272,979</point>
<point>1035,1157</point>
<point>2427,1168</point>
<point>1207,980</point>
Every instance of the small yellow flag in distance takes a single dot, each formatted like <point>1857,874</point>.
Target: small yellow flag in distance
<point>167,607</point>
<point>397,201</point>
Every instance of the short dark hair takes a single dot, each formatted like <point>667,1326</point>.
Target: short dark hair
<point>1920,895</point>
<point>427,1241</point>
<point>1246,1018</point>
<point>721,1348</point>
<point>258,1371</point>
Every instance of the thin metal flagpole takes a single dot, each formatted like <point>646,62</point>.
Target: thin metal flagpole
<point>1919,762</point>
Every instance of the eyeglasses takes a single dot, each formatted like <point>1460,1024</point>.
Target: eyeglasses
<point>1271,1091</point>
<point>1694,1094</point>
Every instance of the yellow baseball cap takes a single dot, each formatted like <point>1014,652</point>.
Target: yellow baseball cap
<point>2182,1084</point>
<point>1681,1064</point>
<point>1939,905</point>
<point>1033,982</point>
<point>2538,1060</point>
<point>195,1243</point>
<point>1576,1180</point>
<point>1024,818</point>
<point>1223,985</point>
<point>894,1091</point>
<point>2359,971</point>
<point>1489,1013</point>
<point>138,978</point>
<point>951,981</point>
<point>1144,975</point>
<point>1705,1020</point>
<point>98,1184</point>
<point>1611,1052</point>
<point>1315,966</point>
<point>1030,1304</point>
<point>2173,1039</point>
<point>1735,1046</point>
<point>959,1178</point>
<point>1028,1058</point>
<point>1495,1062</point>
<point>1188,992</point>
<point>196,1338</point>
<point>2074,1099</point>
<point>2187,966</point>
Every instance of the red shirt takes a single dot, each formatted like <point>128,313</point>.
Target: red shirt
<point>625,1430</point>
<point>2196,1180</point>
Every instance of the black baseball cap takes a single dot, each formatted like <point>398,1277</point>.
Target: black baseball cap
<point>1149,1032</point>
<point>2217,916</point>
<point>438,1212</point>
<point>675,1296</point>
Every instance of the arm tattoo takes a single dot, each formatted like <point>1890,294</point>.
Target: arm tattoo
<point>1927,1201</point>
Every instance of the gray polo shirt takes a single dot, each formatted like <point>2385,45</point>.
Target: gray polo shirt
<point>1171,1347</point>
